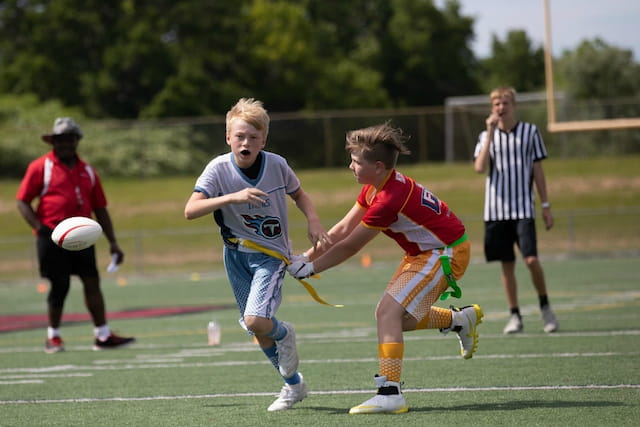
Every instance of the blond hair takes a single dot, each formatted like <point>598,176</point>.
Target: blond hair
<point>378,143</point>
<point>501,92</point>
<point>251,111</point>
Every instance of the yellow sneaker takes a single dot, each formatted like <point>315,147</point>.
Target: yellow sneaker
<point>465,323</point>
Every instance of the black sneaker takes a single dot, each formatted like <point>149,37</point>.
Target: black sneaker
<point>114,341</point>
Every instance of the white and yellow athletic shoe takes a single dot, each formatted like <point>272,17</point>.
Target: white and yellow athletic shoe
<point>465,322</point>
<point>388,400</point>
<point>289,396</point>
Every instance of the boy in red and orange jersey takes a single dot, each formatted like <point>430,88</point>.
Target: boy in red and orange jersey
<point>436,254</point>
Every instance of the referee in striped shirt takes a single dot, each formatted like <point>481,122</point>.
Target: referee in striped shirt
<point>512,151</point>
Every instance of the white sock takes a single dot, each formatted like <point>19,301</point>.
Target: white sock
<point>102,332</point>
<point>53,332</point>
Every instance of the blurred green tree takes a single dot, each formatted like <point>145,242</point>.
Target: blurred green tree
<point>143,59</point>
<point>426,55</point>
<point>513,62</point>
<point>49,47</point>
<point>598,70</point>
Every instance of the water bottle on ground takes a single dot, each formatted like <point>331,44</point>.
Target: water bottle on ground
<point>213,332</point>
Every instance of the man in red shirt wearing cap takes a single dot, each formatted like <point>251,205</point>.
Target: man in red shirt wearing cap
<point>67,187</point>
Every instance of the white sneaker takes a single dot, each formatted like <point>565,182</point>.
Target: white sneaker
<point>389,399</point>
<point>465,322</point>
<point>289,395</point>
<point>514,325</point>
<point>549,319</point>
<point>287,352</point>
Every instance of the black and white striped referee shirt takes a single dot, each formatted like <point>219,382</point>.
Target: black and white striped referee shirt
<point>509,186</point>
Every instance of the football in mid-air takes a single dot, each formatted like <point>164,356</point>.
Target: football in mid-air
<point>76,233</point>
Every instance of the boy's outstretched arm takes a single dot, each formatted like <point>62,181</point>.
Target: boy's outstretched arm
<point>346,248</point>
<point>339,252</point>
<point>315,231</point>
<point>348,237</point>
<point>339,231</point>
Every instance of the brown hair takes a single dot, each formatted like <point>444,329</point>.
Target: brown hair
<point>378,143</point>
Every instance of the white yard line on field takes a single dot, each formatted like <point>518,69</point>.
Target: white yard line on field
<point>326,392</point>
<point>360,335</point>
<point>8,373</point>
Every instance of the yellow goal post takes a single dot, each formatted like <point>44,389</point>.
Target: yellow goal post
<point>572,126</point>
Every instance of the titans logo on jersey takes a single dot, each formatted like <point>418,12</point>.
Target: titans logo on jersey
<point>265,226</point>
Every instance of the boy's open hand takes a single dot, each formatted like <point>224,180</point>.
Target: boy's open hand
<point>319,237</point>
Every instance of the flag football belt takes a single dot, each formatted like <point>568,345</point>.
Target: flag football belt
<point>448,273</point>
<point>255,246</point>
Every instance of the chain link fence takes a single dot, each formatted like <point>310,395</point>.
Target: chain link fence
<point>151,148</point>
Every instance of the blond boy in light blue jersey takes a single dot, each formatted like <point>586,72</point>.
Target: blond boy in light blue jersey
<point>246,191</point>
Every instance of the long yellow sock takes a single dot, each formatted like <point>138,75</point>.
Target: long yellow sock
<point>437,318</point>
<point>390,360</point>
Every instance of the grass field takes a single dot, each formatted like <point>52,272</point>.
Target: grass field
<point>586,374</point>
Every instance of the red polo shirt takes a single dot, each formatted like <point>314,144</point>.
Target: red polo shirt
<point>63,192</point>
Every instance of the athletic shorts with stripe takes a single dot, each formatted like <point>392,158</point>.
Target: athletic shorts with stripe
<point>419,280</point>
<point>256,280</point>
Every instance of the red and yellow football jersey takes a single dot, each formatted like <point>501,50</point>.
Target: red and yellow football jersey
<point>410,214</point>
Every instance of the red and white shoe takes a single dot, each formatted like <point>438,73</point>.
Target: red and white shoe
<point>53,345</point>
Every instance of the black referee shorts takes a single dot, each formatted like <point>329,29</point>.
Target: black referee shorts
<point>500,237</point>
<point>57,263</point>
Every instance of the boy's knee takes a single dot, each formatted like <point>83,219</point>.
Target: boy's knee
<point>258,325</point>
<point>388,308</point>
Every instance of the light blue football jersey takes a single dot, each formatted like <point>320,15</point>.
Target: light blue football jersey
<point>266,225</point>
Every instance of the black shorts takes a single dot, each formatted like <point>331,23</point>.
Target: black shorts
<point>57,263</point>
<point>500,236</point>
